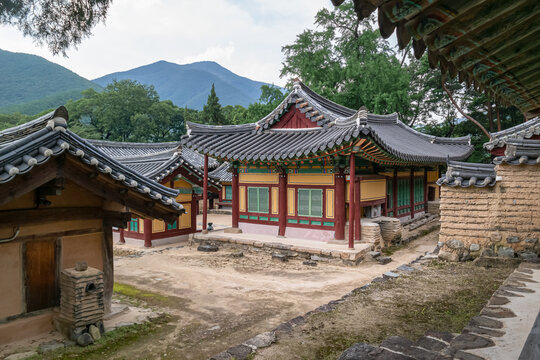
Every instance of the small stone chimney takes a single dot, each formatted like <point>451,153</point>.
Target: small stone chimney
<point>81,301</point>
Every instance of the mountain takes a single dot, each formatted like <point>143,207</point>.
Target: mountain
<point>189,84</point>
<point>31,84</point>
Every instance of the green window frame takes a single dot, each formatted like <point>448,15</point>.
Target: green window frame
<point>171,226</point>
<point>258,200</point>
<point>310,202</point>
<point>418,190</point>
<point>134,225</point>
<point>404,192</point>
<point>228,192</point>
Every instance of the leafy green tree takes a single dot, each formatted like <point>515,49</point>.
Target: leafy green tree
<point>347,61</point>
<point>163,121</point>
<point>211,113</point>
<point>56,23</point>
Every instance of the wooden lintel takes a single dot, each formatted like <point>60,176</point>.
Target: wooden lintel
<point>45,215</point>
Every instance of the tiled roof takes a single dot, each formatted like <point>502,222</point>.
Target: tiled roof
<point>520,152</point>
<point>522,131</point>
<point>468,174</point>
<point>492,44</point>
<point>155,160</point>
<point>222,173</point>
<point>337,125</point>
<point>24,147</point>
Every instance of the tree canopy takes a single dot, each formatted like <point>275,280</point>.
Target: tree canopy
<point>57,23</point>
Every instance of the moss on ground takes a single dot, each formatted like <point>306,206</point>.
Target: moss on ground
<point>134,296</point>
<point>111,343</point>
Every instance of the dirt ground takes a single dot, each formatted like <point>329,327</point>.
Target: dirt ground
<point>435,297</point>
<point>218,301</point>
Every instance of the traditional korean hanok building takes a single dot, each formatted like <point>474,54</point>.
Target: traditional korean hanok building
<point>60,197</point>
<point>291,170</point>
<point>223,175</point>
<point>171,166</point>
<point>494,209</point>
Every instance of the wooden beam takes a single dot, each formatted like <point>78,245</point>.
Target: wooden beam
<point>23,184</point>
<point>352,173</point>
<point>45,215</point>
<point>110,190</point>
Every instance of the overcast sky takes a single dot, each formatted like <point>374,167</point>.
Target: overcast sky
<point>245,36</point>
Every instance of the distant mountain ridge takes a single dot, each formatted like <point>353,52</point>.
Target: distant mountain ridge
<point>189,84</point>
<point>30,84</point>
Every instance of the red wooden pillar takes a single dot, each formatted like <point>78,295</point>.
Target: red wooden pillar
<point>282,202</point>
<point>339,205</point>
<point>395,194</point>
<point>205,193</point>
<point>147,232</point>
<point>425,191</point>
<point>122,238</point>
<point>235,197</point>
<point>352,173</point>
<point>357,210</point>
<point>411,188</point>
<point>194,211</point>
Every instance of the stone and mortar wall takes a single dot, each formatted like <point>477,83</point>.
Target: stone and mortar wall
<point>502,220</point>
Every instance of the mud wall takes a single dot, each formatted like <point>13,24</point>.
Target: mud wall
<point>501,220</point>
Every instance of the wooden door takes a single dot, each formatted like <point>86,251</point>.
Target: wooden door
<point>40,262</point>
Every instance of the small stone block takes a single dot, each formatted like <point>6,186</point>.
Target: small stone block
<point>237,254</point>
<point>374,254</point>
<point>383,260</point>
<point>207,248</point>
<point>262,340</point>
<point>463,355</point>
<point>512,240</point>
<point>405,268</point>
<point>94,332</point>
<point>527,255</point>
<point>474,247</point>
<point>486,322</point>
<point>498,300</point>
<point>240,352</point>
<point>310,263</point>
<point>85,339</point>
<point>470,341</point>
<point>279,257</point>
<point>390,275</point>
<point>482,331</point>
<point>497,312</point>
<point>506,252</point>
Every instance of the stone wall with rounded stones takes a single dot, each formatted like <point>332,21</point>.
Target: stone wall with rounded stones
<point>503,220</point>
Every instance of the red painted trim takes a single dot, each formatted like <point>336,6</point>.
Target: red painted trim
<point>147,232</point>
<point>339,205</point>
<point>122,238</point>
<point>411,191</point>
<point>235,198</point>
<point>357,210</point>
<point>282,203</point>
<point>205,193</point>
<point>425,190</point>
<point>294,119</point>
<point>352,168</point>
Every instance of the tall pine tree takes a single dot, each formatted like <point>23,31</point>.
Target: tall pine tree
<point>212,113</point>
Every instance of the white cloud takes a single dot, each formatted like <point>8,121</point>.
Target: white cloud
<point>220,54</point>
<point>245,36</point>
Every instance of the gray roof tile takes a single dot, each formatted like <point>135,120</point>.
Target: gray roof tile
<point>468,174</point>
<point>337,124</point>
<point>522,131</point>
<point>24,147</point>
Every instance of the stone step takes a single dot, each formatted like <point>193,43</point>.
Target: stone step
<point>407,347</point>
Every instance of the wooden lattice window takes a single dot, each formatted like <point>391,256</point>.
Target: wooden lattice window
<point>258,199</point>
<point>310,202</point>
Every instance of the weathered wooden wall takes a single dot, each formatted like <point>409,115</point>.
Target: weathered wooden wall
<point>504,216</point>
<point>79,238</point>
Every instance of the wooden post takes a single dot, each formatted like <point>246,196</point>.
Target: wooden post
<point>357,210</point>
<point>235,197</point>
<point>411,192</point>
<point>339,205</point>
<point>425,191</point>
<point>395,193</point>
<point>205,193</point>
<point>122,237</point>
<point>108,268</point>
<point>282,202</point>
<point>194,210</point>
<point>147,232</point>
<point>352,172</point>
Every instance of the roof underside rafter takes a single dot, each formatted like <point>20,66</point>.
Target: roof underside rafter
<point>491,44</point>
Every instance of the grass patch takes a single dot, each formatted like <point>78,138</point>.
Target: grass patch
<point>111,343</point>
<point>134,296</point>
<point>390,250</point>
